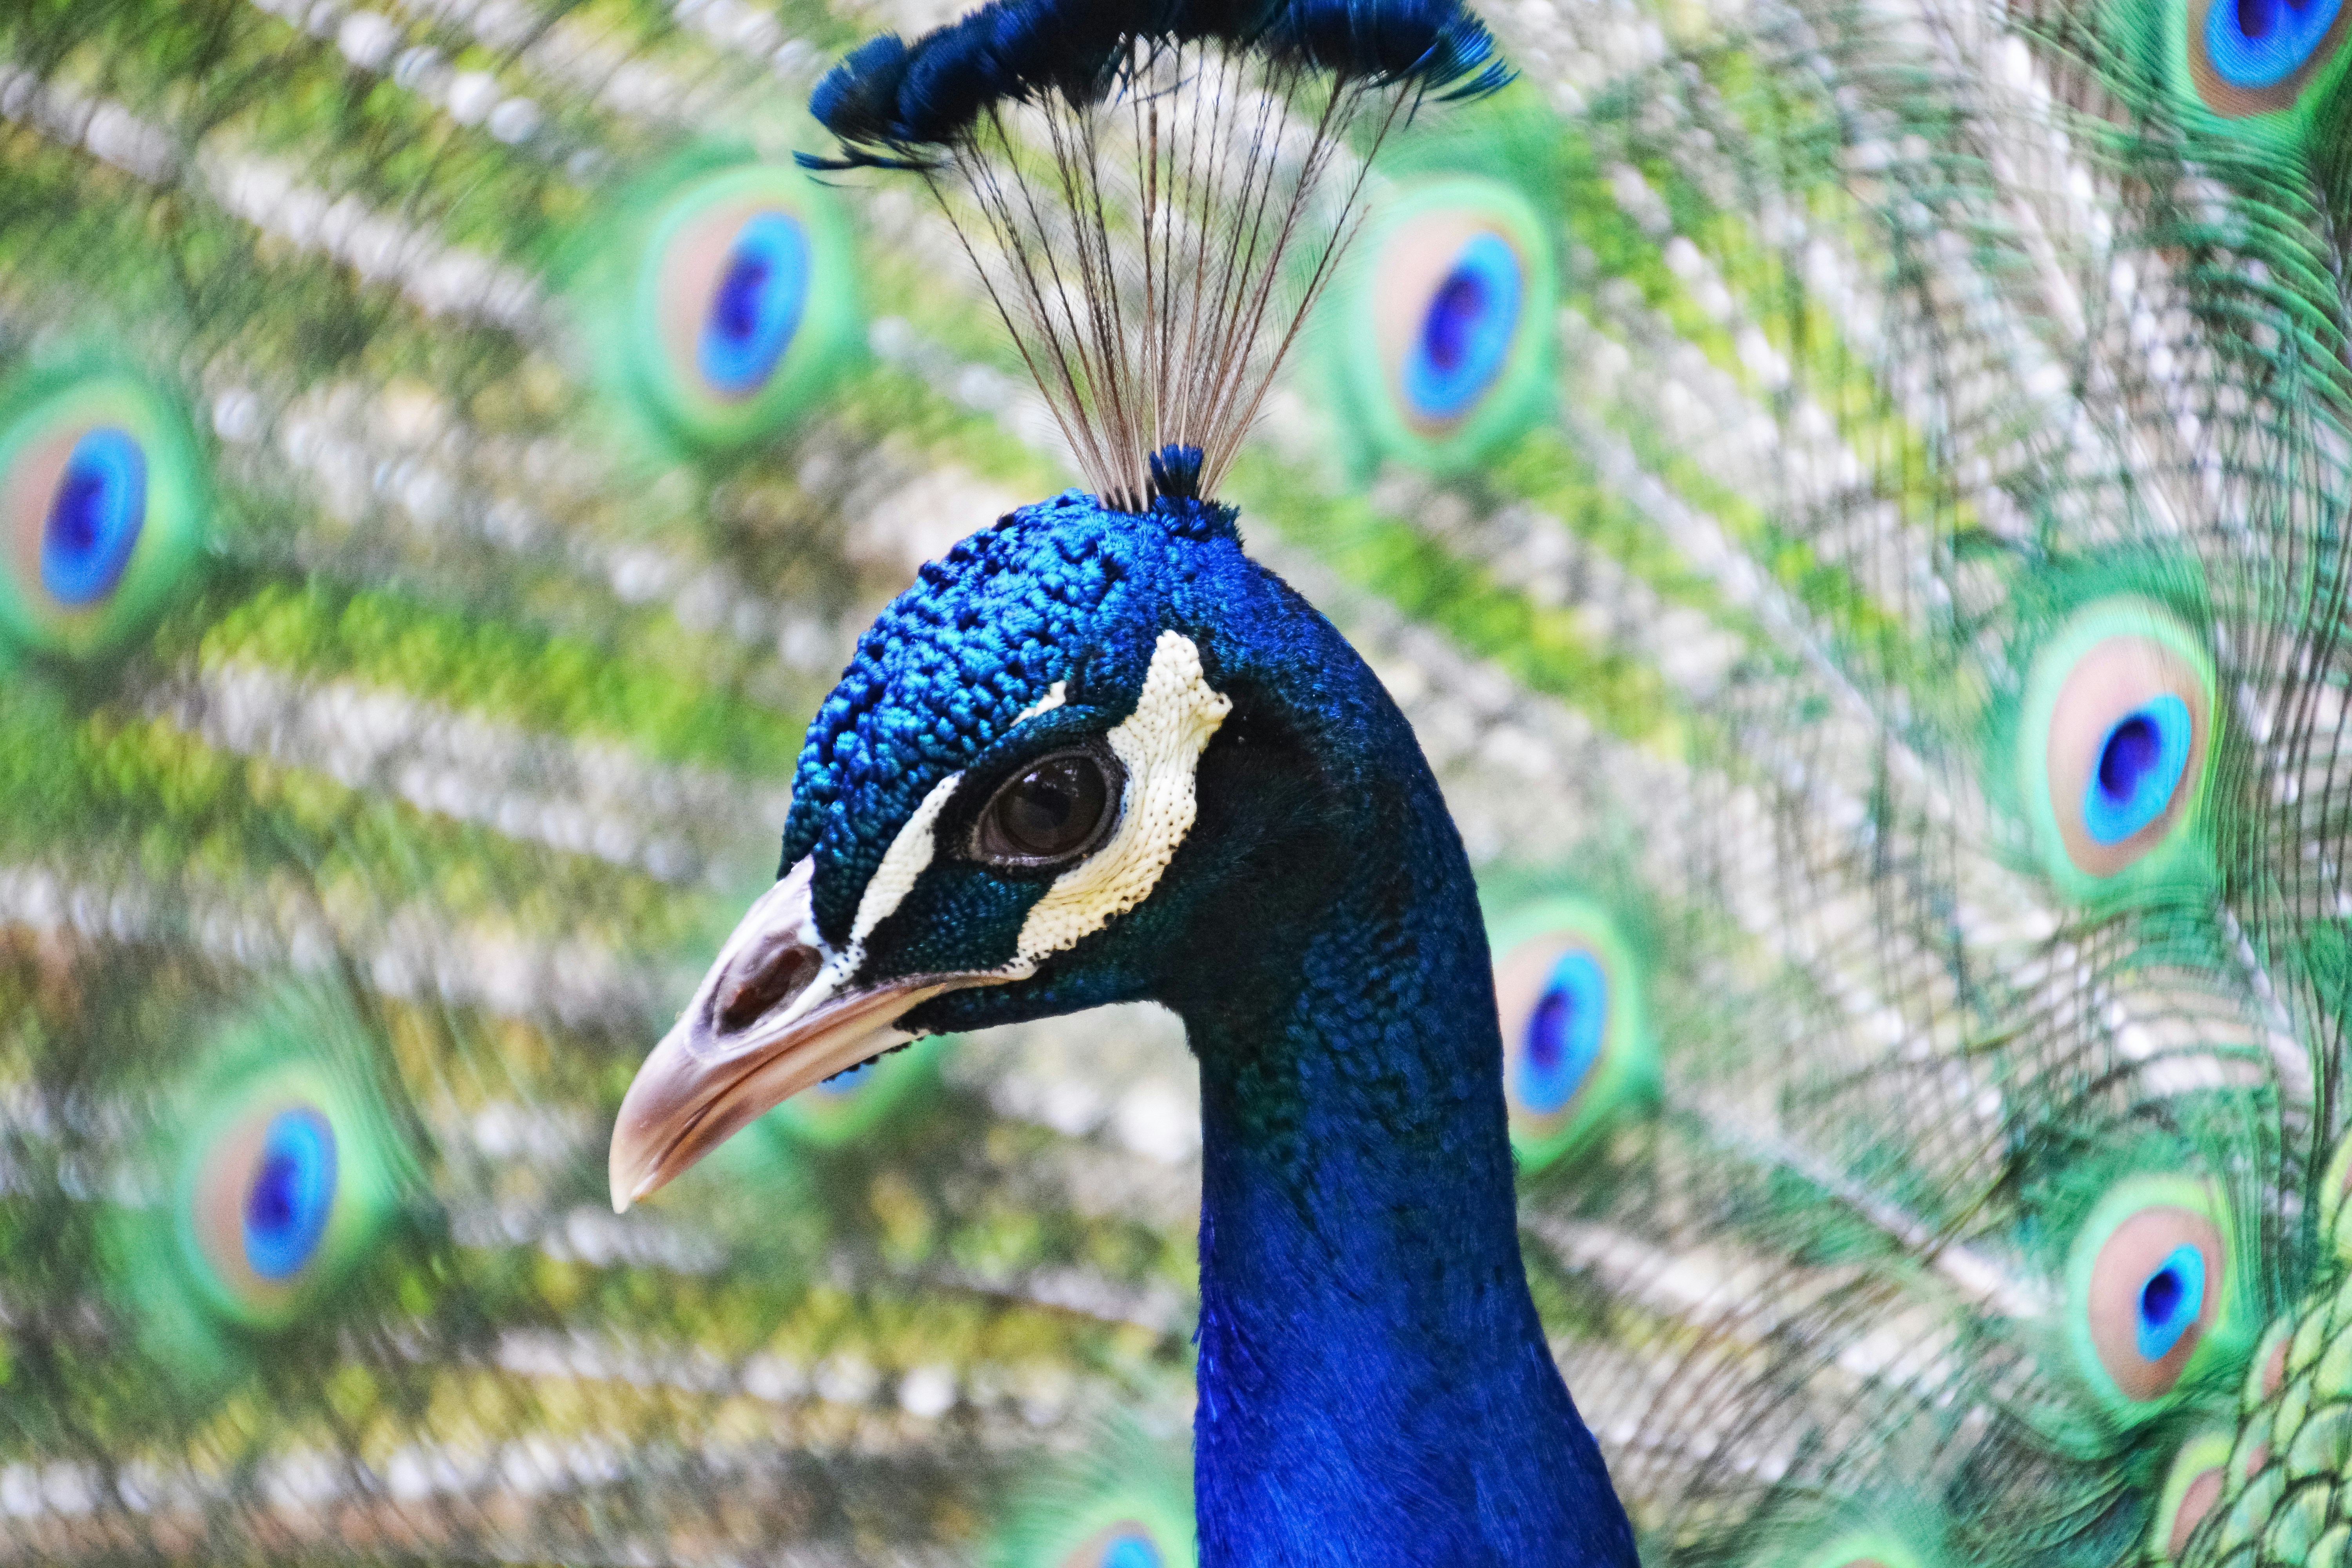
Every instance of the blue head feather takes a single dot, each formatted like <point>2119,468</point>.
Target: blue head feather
<point>1262,849</point>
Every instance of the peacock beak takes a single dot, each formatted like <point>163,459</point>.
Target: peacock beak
<point>775,1015</point>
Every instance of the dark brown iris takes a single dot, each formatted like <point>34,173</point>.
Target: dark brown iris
<point>1052,812</point>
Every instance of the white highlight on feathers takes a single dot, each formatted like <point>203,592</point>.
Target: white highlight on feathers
<point>1160,744</point>
<point>1054,696</point>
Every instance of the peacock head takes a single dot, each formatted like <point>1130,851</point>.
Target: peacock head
<point>993,817</point>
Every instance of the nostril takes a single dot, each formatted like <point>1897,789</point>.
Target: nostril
<point>772,974</point>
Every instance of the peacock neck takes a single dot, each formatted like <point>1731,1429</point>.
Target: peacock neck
<point>1374,1385</point>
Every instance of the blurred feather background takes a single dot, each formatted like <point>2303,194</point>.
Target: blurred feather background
<point>446,450</point>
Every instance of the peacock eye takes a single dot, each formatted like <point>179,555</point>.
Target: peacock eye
<point>291,1194</point>
<point>1439,333</point>
<point>98,510</point>
<point>1123,1504</point>
<point>261,1200</point>
<point>1055,811</point>
<point>2254,57</point>
<point>1124,1545</point>
<point>284,1170</point>
<point>741,308</point>
<point>1465,332</point>
<point>1561,1041</point>
<point>749,300</point>
<point>2150,1277</point>
<point>2119,720</point>
<point>1575,1032</point>
<point>1868,1547</point>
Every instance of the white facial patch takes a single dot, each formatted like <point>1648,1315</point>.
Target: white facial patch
<point>1160,744</point>
<point>1054,696</point>
<point>909,856</point>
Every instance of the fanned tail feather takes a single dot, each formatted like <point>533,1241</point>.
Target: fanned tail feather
<point>1850,499</point>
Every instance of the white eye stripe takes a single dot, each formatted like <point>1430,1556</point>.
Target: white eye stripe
<point>909,856</point>
<point>1160,744</point>
<point>911,852</point>
<point>903,864</point>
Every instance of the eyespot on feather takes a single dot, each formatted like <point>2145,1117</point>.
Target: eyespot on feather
<point>1124,1503</point>
<point>2252,58</point>
<point>1440,343</point>
<point>1864,1546</point>
<point>279,1176</point>
<point>102,510</point>
<point>723,301</point>
<point>1577,1047</point>
<point>2118,738</point>
<point>258,1199</point>
<point>1126,1544</point>
<point>2149,1290</point>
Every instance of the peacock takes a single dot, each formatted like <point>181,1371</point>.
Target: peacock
<point>1844,497</point>
<point>1095,755</point>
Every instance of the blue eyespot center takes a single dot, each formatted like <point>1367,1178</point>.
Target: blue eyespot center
<point>2139,768</point>
<point>293,1195</point>
<point>1563,1033</point>
<point>95,517</point>
<point>1459,304</point>
<point>850,1082</point>
<point>1467,330</point>
<point>762,289</point>
<point>1131,1551</point>
<point>2256,44</point>
<point>2170,1301</point>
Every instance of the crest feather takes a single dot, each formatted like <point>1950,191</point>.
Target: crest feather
<point>1130,182</point>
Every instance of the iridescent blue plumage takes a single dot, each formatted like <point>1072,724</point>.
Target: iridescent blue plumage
<point>1097,754</point>
<point>1374,1385</point>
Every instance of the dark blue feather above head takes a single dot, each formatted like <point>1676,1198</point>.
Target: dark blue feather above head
<point>1432,46</point>
<point>1146,279</point>
<point>892,104</point>
<point>857,101</point>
